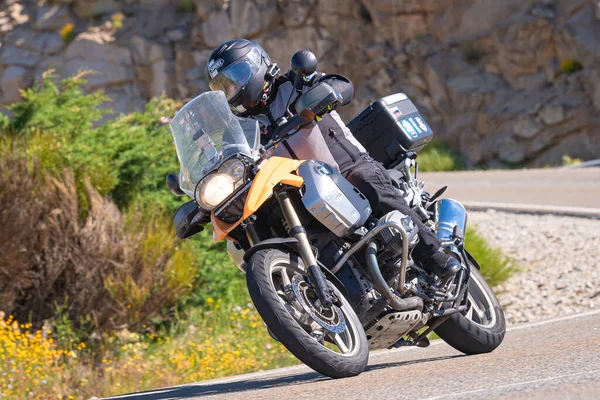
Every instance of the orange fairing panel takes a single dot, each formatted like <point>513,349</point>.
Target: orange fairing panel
<point>221,228</point>
<point>274,171</point>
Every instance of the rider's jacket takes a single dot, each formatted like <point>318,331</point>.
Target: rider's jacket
<point>328,140</point>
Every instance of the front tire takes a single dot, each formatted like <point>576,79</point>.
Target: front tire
<point>275,279</point>
<point>481,328</point>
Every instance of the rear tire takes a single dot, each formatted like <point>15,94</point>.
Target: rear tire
<point>480,329</point>
<point>270,301</point>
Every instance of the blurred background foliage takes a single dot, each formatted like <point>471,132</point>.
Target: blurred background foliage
<point>90,265</point>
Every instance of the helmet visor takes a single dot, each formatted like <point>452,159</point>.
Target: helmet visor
<point>234,77</point>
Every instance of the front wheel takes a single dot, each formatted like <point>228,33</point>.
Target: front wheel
<point>329,340</point>
<point>479,329</point>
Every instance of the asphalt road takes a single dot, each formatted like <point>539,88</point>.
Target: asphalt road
<point>578,187</point>
<point>554,359</point>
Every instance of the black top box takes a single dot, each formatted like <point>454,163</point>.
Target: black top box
<point>391,127</point>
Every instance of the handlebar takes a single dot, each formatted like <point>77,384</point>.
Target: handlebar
<point>314,103</point>
<point>284,131</point>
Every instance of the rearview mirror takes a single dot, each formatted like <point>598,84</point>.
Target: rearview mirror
<point>173,184</point>
<point>304,63</point>
<point>317,101</point>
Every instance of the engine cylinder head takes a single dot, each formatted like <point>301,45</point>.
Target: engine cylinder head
<point>391,240</point>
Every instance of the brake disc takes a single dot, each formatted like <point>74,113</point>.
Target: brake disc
<point>333,321</point>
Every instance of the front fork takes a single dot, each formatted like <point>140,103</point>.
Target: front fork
<point>315,275</point>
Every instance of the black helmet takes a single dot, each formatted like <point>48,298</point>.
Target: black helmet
<point>243,71</point>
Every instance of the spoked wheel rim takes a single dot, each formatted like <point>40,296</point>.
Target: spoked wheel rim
<point>331,325</point>
<point>480,309</point>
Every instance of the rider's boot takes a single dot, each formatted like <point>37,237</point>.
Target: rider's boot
<point>442,265</point>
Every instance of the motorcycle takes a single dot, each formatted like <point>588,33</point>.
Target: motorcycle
<point>329,280</point>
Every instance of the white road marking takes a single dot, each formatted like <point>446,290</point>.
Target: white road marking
<point>508,385</point>
<point>552,321</point>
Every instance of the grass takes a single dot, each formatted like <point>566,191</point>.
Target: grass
<point>495,267</point>
<point>437,157</point>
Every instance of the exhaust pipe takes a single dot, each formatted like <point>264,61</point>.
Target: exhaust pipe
<point>398,304</point>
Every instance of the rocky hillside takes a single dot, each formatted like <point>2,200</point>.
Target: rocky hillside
<point>504,82</point>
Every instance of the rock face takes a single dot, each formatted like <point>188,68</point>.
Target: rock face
<point>504,83</point>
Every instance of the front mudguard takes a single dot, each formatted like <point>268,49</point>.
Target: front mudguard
<point>472,260</point>
<point>289,244</point>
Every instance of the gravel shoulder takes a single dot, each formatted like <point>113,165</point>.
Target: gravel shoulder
<point>559,261</point>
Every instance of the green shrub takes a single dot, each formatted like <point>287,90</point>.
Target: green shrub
<point>108,271</point>
<point>127,157</point>
<point>67,33</point>
<point>67,336</point>
<point>217,276</point>
<point>569,66</point>
<point>495,267</point>
<point>55,128</point>
<point>437,156</point>
<point>49,121</point>
<point>568,160</point>
<point>57,106</point>
<point>186,6</point>
<point>117,20</point>
<point>140,148</point>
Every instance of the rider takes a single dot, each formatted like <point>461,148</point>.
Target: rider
<point>253,87</point>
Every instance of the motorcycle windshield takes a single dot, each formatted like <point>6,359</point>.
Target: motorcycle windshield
<point>206,133</point>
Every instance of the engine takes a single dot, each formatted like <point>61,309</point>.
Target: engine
<point>391,240</point>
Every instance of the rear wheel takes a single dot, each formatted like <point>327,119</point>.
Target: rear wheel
<point>479,329</point>
<point>329,340</point>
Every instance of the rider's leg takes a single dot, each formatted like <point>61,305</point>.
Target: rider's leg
<point>371,178</point>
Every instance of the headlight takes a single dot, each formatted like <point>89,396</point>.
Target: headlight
<point>215,188</point>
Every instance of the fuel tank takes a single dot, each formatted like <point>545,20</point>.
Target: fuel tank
<point>331,199</point>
